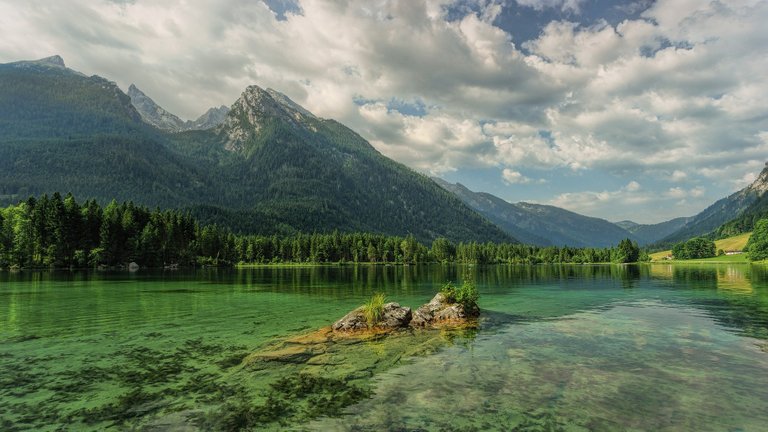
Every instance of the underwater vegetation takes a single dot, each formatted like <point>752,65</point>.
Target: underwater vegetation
<point>291,399</point>
<point>137,381</point>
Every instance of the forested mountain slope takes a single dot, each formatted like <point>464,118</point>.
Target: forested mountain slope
<point>741,207</point>
<point>270,166</point>
<point>541,224</point>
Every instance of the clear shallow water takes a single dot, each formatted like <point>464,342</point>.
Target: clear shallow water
<point>559,348</point>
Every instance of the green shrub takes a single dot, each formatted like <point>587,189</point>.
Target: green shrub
<point>373,309</point>
<point>757,245</point>
<point>695,248</point>
<point>466,294</point>
<point>449,292</point>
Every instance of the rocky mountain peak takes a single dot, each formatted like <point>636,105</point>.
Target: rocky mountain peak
<point>54,60</point>
<point>289,104</point>
<point>257,106</point>
<point>160,118</point>
<point>52,63</point>
<point>760,185</point>
<point>210,119</point>
<point>152,113</point>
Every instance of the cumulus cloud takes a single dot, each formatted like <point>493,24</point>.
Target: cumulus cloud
<point>676,192</point>
<point>633,202</point>
<point>597,202</point>
<point>564,5</point>
<point>677,92</point>
<point>514,177</point>
<point>678,175</point>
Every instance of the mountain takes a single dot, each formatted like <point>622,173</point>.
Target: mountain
<point>498,211</point>
<point>743,205</point>
<point>152,113</point>
<point>63,131</point>
<point>308,172</point>
<point>210,119</point>
<point>540,224</point>
<point>158,117</point>
<point>270,166</point>
<point>651,233</point>
<point>627,225</point>
<point>44,99</point>
<point>757,210</point>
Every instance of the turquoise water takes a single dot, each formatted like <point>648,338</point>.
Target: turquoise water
<point>656,347</point>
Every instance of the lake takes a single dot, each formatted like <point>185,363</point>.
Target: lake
<point>558,348</point>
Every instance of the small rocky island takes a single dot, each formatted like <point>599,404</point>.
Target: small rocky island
<point>452,305</point>
<point>453,308</point>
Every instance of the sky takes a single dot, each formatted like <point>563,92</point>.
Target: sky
<point>621,109</point>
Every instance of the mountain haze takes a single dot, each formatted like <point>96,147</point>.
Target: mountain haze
<point>269,166</point>
<point>541,224</point>
<point>651,233</point>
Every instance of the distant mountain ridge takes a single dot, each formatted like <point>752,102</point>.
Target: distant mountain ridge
<point>724,211</point>
<point>651,233</point>
<point>157,116</point>
<point>541,224</point>
<point>270,166</point>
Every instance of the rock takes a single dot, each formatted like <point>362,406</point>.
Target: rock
<point>421,317</point>
<point>452,312</point>
<point>439,309</point>
<point>437,303</point>
<point>354,320</point>
<point>133,267</point>
<point>395,316</point>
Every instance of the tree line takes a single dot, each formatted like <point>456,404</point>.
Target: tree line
<point>59,232</point>
<point>695,248</point>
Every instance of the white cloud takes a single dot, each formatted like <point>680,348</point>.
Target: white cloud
<point>697,192</point>
<point>593,202</point>
<point>564,5</point>
<point>676,192</point>
<point>678,176</point>
<point>680,193</point>
<point>514,177</point>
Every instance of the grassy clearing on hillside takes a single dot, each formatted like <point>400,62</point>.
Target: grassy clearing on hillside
<point>731,243</point>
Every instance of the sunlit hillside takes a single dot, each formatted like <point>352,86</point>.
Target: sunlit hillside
<point>735,243</point>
